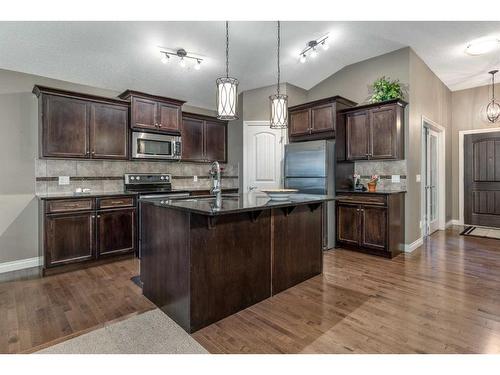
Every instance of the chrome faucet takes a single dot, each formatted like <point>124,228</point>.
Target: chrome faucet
<point>215,178</point>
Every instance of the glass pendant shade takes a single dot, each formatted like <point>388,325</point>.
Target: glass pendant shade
<point>493,108</point>
<point>493,111</point>
<point>227,98</point>
<point>279,111</point>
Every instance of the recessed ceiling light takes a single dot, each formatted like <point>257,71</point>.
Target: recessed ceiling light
<point>482,46</point>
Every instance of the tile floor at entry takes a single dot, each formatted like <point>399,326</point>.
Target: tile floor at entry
<point>442,298</point>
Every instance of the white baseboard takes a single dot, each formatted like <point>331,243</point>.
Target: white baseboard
<point>408,248</point>
<point>454,222</point>
<point>20,264</point>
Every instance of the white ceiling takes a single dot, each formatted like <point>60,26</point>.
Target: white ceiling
<point>121,55</point>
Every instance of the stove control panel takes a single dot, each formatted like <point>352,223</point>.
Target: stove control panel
<point>143,178</point>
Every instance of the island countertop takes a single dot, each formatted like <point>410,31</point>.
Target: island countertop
<point>232,203</point>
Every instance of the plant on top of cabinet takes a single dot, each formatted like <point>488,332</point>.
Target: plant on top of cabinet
<point>316,120</point>
<point>386,89</point>
<point>154,113</point>
<point>76,125</point>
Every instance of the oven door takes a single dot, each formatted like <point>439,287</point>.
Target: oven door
<point>155,146</point>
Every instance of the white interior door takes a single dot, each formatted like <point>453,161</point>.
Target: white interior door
<point>262,156</point>
<point>431,182</point>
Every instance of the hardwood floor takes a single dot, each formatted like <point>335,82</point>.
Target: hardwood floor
<point>43,311</point>
<point>442,298</point>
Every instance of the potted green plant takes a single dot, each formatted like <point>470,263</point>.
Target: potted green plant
<point>386,89</point>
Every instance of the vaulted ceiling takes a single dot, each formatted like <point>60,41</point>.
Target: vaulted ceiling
<point>121,55</point>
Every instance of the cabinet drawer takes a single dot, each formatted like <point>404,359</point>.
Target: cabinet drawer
<point>362,199</point>
<point>66,205</point>
<point>115,202</point>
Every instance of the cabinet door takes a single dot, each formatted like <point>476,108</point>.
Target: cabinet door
<point>383,133</point>
<point>300,122</point>
<point>169,118</point>
<point>65,127</point>
<point>374,227</point>
<point>115,231</point>
<point>192,139</point>
<point>69,238</point>
<point>215,141</point>
<point>348,223</point>
<point>108,131</point>
<point>144,113</point>
<point>357,135</point>
<point>322,118</point>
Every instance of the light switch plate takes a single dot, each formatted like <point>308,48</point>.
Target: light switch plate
<point>63,180</point>
<point>417,178</point>
<point>396,178</point>
<point>195,178</point>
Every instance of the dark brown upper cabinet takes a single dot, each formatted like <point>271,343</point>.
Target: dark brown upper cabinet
<point>316,120</point>
<point>74,125</point>
<point>374,131</point>
<point>154,113</point>
<point>204,138</point>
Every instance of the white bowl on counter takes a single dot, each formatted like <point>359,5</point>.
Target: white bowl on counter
<point>279,194</point>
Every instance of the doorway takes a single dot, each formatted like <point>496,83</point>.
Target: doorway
<point>433,177</point>
<point>263,153</point>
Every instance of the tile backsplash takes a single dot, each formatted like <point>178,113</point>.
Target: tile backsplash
<point>385,169</point>
<point>105,176</point>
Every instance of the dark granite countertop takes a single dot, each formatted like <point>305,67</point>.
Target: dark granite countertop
<point>378,191</point>
<point>92,194</point>
<point>235,203</point>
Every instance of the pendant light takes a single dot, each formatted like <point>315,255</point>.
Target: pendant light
<point>227,90</point>
<point>279,102</point>
<point>493,108</point>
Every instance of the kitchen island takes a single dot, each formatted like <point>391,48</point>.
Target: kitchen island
<point>206,258</point>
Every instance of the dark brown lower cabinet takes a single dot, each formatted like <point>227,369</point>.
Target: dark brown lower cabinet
<point>372,223</point>
<point>76,233</point>
<point>69,238</point>
<point>115,231</point>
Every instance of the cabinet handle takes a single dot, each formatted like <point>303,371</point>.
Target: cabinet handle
<point>159,125</point>
<point>98,216</point>
<point>117,202</point>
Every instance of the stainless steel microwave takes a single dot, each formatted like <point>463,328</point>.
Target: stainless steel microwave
<point>155,146</point>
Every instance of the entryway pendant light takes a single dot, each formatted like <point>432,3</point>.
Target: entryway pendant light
<point>227,90</point>
<point>493,108</point>
<point>279,102</point>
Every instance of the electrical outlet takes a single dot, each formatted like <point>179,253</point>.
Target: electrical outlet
<point>63,180</point>
<point>195,178</point>
<point>417,178</point>
<point>396,178</point>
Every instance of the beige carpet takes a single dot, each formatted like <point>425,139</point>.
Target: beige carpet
<point>150,333</point>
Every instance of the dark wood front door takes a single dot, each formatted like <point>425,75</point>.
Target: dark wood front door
<point>69,238</point>
<point>482,179</point>
<point>215,141</point>
<point>115,231</point>
<point>65,127</point>
<point>109,131</point>
<point>357,135</point>
<point>383,135</point>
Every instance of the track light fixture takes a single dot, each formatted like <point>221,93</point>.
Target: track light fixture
<point>312,48</point>
<point>182,55</point>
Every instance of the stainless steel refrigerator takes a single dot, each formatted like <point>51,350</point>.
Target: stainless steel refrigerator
<point>309,167</point>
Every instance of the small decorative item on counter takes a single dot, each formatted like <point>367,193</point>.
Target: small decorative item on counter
<point>357,185</point>
<point>372,185</point>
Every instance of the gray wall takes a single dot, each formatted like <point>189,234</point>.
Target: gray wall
<point>18,153</point>
<point>468,113</point>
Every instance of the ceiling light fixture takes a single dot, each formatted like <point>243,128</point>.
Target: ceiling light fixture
<point>482,46</point>
<point>182,55</point>
<point>312,48</point>
<point>227,90</point>
<point>279,102</point>
<point>493,108</point>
